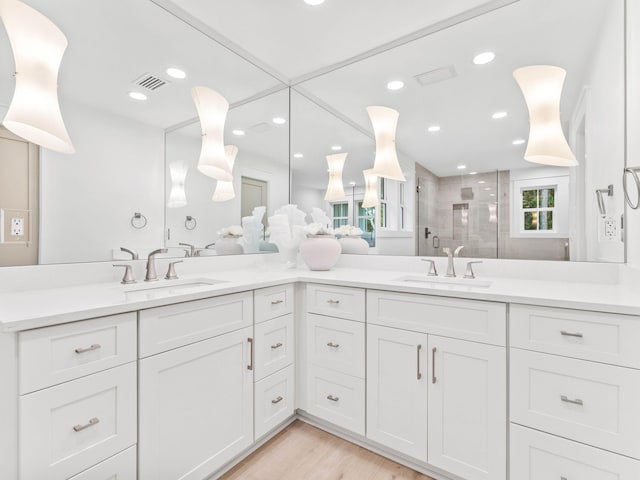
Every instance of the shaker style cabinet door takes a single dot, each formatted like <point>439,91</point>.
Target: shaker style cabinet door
<point>397,390</point>
<point>467,408</point>
<point>196,407</point>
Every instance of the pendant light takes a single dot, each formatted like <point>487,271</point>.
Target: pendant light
<point>38,46</point>
<point>370,189</point>
<point>212,110</point>
<point>335,189</point>
<point>177,197</point>
<point>224,190</point>
<point>541,86</point>
<point>385,121</point>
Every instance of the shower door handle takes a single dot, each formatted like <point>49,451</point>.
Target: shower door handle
<point>436,241</point>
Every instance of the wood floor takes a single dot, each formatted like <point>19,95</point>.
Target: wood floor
<point>303,452</point>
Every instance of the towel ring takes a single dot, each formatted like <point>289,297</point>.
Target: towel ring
<point>138,221</point>
<point>634,173</point>
<point>190,223</point>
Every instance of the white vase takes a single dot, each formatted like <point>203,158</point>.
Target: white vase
<point>354,245</point>
<point>228,246</point>
<point>320,252</point>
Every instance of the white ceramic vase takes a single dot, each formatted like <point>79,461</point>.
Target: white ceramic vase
<point>228,246</point>
<point>354,244</point>
<point>320,252</point>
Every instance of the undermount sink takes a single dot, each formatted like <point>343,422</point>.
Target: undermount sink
<point>169,287</point>
<point>441,282</point>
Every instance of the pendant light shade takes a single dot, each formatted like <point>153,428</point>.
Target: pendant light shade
<point>385,121</point>
<point>38,46</point>
<point>212,110</point>
<point>177,197</point>
<point>541,86</point>
<point>224,190</point>
<point>370,189</point>
<point>335,189</point>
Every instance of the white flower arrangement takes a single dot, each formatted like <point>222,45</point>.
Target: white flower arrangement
<point>317,229</point>
<point>349,231</point>
<point>231,231</point>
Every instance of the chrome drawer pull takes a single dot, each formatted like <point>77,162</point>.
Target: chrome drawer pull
<point>566,399</point>
<point>571,334</point>
<point>277,400</point>
<point>333,302</point>
<point>250,366</point>
<point>277,345</point>
<point>332,398</point>
<point>419,373</point>
<point>433,365</point>
<point>277,302</point>
<point>95,346</point>
<point>92,422</point>
<point>333,345</point>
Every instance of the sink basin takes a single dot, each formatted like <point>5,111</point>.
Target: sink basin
<point>168,287</point>
<point>442,282</point>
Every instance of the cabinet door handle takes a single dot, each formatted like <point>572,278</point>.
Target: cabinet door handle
<point>566,399</point>
<point>433,364</point>
<point>571,334</point>
<point>333,302</point>
<point>92,422</point>
<point>95,346</point>
<point>277,400</point>
<point>250,366</point>
<point>333,345</point>
<point>419,373</point>
<point>277,302</point>
<point>276,346</point>
<point>332,398</point>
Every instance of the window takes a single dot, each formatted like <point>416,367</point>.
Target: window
<point>340,214</point>
<point>366,223</point>
<point>382,194</point>
<point>537,208</point>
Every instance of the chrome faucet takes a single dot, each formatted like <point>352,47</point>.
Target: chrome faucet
<point>451,270</point>
<point>469,272</point>
<point>152,276</point>
<point>134,255</point>
<point>210,245</point>
<point>192,249</point>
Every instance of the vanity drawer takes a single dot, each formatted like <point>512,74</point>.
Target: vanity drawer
<point>585,401</point>
<point>164,328</point>
<point>337,398</point>
<point>70,427</point>
<point>275,400</point>
<point>52,355</point>
<point>273,302</point>
<point>341,302</point>
<point>119,467</point>
<point>274,345</point>
<point>474,320</point>
<point>601,337</point>
<point>336,344</point>
<point>540,456</point>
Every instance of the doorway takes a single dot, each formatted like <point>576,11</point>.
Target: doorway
<point>254,193</point>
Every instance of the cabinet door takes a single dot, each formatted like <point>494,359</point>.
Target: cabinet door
<point>196,407</point>
<point>467,408</point>
<point>397,390</point>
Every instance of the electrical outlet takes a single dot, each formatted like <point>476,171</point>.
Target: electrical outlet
<point>17,227</point>
<point>610,228</point>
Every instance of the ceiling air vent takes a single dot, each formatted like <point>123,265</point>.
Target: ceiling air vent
<point>150,82</point>
<point>437,75</point>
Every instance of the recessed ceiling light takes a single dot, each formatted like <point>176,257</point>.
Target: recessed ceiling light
<point>484,58</point>
<point>473,173</point>
<point>395,85</point>
<point>434,128</point>
<point>487,188</point>
<point>298,155</point>
<point>499,115</point>
<point>137,96</point>
<point>492,194</point>
<point>481,181</point>
<point>353,184</point>
<point>176,73</point>
<point>238,132</point>
<point>336,148</point>
<point>313,2</point>
<point>279,120</point>
<point>518,141</point>
<point>461,167</point>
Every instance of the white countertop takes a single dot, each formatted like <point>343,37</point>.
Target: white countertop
<point>39,308</point>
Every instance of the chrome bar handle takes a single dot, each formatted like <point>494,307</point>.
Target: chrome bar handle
<point>571,334</point>
<point>92,422</point>
<point>419,373</point>
<point>333,345</point>
<point>332,398</point>
<point>171,271</point>
<point>333,302</point>
<point>433,364</point>
<point>95,346</point>
<point>432,267</point>
<point>276,346</point>
<point>128,277</point>
<point>469,272</point>
<point>566,399</point>
<point>250,366</point>
<point>277,302</point>
<point>277,400</point>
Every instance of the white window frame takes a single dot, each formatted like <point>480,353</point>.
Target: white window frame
<point>333,219</point>
<point>560,209</point>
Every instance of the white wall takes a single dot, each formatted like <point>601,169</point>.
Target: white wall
<point>88,198</point>
<point>309,198</point>
<point>633,124</point>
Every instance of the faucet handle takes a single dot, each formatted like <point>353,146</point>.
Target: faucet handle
<point>134,255</point>
<point>457,250</point>
<point>469,272</point>
<point>171,272</point>
<point>432,267</point>
<point>446,251</point>
<point>128,274</point>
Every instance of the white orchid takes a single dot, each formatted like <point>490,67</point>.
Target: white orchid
<point>231,231</point>
<point>349,231</point>
<point>318,229</point>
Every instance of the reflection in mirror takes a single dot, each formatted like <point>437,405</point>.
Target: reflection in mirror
<point>260,131</point>
<point>88,200</point>
<point>462,121</point>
